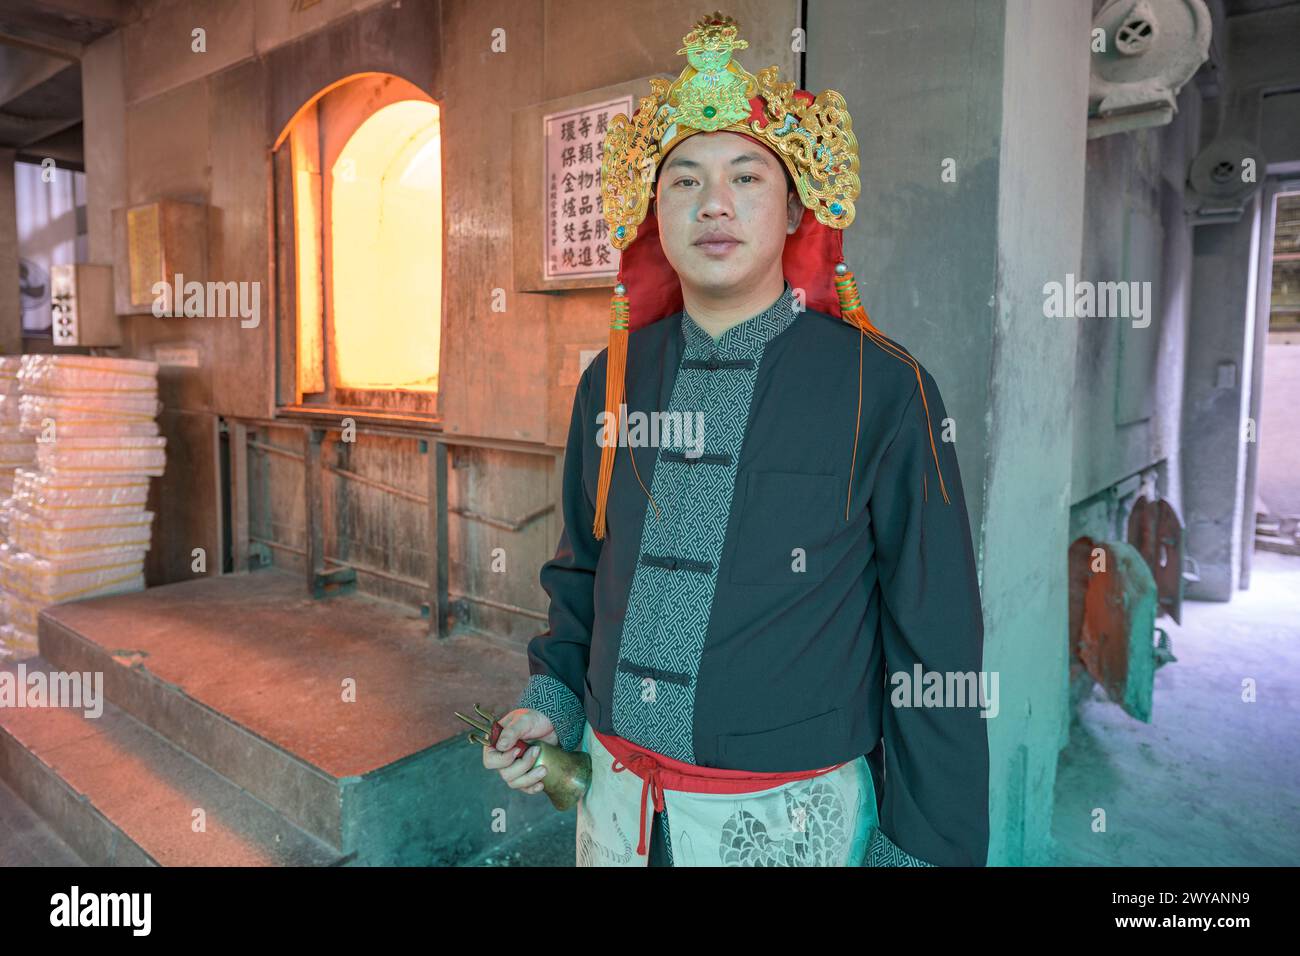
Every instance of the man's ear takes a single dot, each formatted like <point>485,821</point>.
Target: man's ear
<point>794,213</point>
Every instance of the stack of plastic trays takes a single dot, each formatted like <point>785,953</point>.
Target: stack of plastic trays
<point>75,516</point>
<point>17,449</point>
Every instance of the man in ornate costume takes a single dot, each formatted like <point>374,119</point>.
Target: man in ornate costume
<point>726,621</point>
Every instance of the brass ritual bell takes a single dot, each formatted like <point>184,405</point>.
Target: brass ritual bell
<point>568,773</point>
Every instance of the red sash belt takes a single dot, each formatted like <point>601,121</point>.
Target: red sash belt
<point>664,773</point>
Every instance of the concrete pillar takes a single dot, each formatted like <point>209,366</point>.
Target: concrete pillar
<point>995,90</point>
<point>1262,306</point>
<point>1220,342</point>
<point>104,140</point>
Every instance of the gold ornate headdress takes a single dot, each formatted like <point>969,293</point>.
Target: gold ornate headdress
<point>813,137</point>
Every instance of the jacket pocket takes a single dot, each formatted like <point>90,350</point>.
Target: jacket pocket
<point>797,746</point>
<point>785,522</point>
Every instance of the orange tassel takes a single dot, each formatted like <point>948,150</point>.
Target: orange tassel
<point>851,310</point>
<point>615,370</point>
<point>615,398</point>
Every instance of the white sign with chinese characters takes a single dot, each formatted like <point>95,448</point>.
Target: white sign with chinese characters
<point>577,236</point>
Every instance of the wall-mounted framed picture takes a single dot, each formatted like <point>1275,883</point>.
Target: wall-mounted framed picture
<point>561,237</point>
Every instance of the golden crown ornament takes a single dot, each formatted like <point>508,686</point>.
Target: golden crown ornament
<point>813,137</point>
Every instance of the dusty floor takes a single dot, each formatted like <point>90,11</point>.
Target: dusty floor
<point>1212,780</point>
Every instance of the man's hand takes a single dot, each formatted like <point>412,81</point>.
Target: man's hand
<point>521,724</point>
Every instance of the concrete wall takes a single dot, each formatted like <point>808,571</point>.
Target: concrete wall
<point>1261,48</point>
<point>1128,380</point>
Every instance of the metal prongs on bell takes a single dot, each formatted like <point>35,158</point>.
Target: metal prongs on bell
<point>568,773</point>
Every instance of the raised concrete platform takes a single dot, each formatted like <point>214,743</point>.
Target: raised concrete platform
<point>312,732</point>
<point>123,796</point>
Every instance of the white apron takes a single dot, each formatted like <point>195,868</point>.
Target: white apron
<point>825,820</point>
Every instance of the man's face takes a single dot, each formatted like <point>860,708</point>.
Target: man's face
<point>724,210</point>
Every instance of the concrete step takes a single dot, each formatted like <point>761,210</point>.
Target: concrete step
<point>337,713</point>
<point>26,839</point>
<point>307,796</point>
<point>1278,545</point>
<point>120,795</point>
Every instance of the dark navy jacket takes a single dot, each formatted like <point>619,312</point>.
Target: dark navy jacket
<point>759,661</point>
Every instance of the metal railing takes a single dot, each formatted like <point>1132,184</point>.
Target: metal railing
<point>323,571</point>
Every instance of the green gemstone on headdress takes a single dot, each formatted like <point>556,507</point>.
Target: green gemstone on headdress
<point>710,112</point>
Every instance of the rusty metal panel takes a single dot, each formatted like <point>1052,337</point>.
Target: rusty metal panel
<point>1169,577</point>
<point>1116,622</point>
<point>1080,574</point>
<point>1155,531</point>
